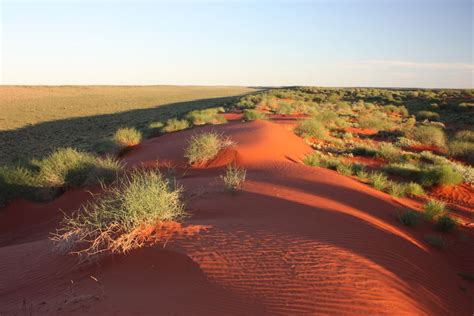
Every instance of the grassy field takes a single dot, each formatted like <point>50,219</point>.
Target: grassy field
<point>36,119</point>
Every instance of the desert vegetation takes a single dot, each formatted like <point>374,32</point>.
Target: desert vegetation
<point>205,146</point>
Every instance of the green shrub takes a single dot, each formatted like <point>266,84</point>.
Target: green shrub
<point>436,241</point>
<point>127,136</point>
<point>427,115</point>
<point>440,175</point>
<point>344,169</point>
<point>206,116</point>
<point>375,122</point>
<point>364,151</point>
<point>396,189</point>
<point>284,108</point>
<point>251,115</point>
<point>107,146</point>
<point>406,170</point>
<point>428,135</point>
<point>117,220</point>
<point>389,152</point>
<point>205,146</point>
<point>462,149</point>
<point>445,223</point>
<point>234,178</point>
<point>313,160</point>
<point>378,180</point>
<point>465,135</point>
<point>174,125</point>
<point>312,128</point>
<point>17,181</point>
<point>414,189</point>
<point>154,128</point>
<point>433,209</point>
<point>67,166</point>
<point>409,218</point>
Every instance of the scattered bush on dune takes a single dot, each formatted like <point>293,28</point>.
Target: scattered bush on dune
<point>68,166</point>
<point>428,135</point>
<point>379,181</point>
<point>414,189</point>
<point>205,146</point>
<point>409,218</point>
<point>127,136</point>
<point>445,223</point>
<point>17,181</point>
<point>433,209</point>
<point>115,221</point>
<point>154,128</point>
<point>375,122</point>
<point>174,125</point>
<point>440,175</point>
<point>311,128</point>
<point>252,115</point>
<point>206,116</point>
<point>427,115</point>
<point>396,189</point>
<point>234,178</point>
<point>364,151</point>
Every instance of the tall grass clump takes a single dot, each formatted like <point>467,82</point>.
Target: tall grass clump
<point>445,223</point>
<point>17,181</point>
<point>409,218</point>
<point>433,209</point>
<point>427,115</point>
<point>312,127</point>
<point>68,166</point>
<point>414,189</point>
<point>174,125</point>
<point>440,175</point>
<point>117,220</point>
<point>379,181</point>
<point>234,178</point>
<point>205,146</point>
<point>127,136</point>
<point>206,116</point>
<point>428,135</point>
<point>252,115</point>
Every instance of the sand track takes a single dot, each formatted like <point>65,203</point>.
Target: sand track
<point>297,240</point>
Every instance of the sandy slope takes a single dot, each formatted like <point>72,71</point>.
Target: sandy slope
<point>297,240</point>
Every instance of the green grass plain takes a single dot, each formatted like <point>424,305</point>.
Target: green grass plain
<point>37,119</point>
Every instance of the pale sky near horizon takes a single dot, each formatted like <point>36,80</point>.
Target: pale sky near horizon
<point>392,43</point>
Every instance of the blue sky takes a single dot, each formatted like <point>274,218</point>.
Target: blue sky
<point>327,43</point>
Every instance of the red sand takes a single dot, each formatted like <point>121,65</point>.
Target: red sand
<point>297,240</point>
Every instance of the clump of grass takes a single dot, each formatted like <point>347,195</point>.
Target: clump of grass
<point>206,116</point>
<point>396,189</point>
<point>379,181</point>
<point>106,146</point>
<point>205,146</point>
<point>345,169</point>
<point>436,241</point>
<point>174,125</point>
<point>16,181</point>
<point>154,128</point>
<point>127,136</point>
<point>414,189</point>
<point>364,151</point>
<point>428,135</point>
<point>68,166</point>
<point>117,219</point>
<point>252,115</point>
<point>440,175</point>
<point>409,218</point>
<point>462,149</point>
<point>375,122</point>
<point>433,209</point>
<point>234,178</point>
<point>445,223</point>
<point>313,160</point>
<point>427,115</point>
<point>312,127</point>
<point>389,152</point>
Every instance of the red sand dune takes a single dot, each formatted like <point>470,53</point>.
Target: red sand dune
<point>297,240</point>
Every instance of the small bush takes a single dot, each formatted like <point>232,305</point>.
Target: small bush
<point>127,136</point>
<point>17,181</point>
<point>364,151</point>
<point>252,115</point>
<point>433,209</point>
<point>379,181</point>
<point>154,128</point>
<point>428,135</point>
<point>375,122</point>
<point>205,146</point>
<point>414,189</point>
<point>427,115</point>
<point>312,128</point>
<point>344,169</point>
<point>313,160</point>
<point>174,125</point>
<point>406,170</point>
<point>206,116</point>
<point>465,135</point>
<point>389,152</point>
<point>440,175</point>
<point>117,219</point>
<point>462,149</point>
<point>445,223</point>
<point>409,218</point>
<point>396,189</point>
<point>107,146</point>
<point>234,178</point>
<point>436,241</point>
